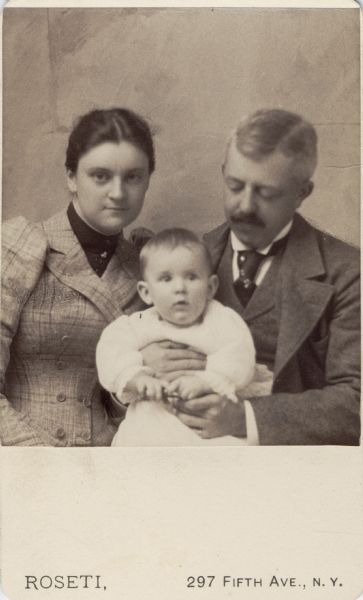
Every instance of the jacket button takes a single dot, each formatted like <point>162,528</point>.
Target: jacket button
<point>65,338</point>
<point>86,436</point>
<point>87,402</point>
<point>61,397</point>
<point>60,364</point>
<point>60,433</point>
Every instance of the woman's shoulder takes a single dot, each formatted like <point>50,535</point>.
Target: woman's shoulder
<point>23,237</point>
<point>24,250</point>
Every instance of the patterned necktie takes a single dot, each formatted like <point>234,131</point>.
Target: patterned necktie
<point>248,262</point>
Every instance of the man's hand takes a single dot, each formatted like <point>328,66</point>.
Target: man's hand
<point>188,387</point>
<point>170,359</point>
<point>147,387</point>
<point>212,416</point>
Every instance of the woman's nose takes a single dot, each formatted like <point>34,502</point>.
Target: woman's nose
<point>117,189</point>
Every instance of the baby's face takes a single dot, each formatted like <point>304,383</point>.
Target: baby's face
<point>179,284</point>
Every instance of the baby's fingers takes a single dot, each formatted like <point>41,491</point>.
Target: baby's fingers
<point>173,386</point>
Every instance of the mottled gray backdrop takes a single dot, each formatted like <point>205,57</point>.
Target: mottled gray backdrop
<point>193,73</point>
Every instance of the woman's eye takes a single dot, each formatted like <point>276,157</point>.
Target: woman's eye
<point>134,177</point>
<point>100,177</point>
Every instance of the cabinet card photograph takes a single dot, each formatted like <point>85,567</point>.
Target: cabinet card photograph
<point>180,301</point>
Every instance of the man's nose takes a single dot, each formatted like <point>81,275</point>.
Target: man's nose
<point>246,200</point>
<point>117,189</point>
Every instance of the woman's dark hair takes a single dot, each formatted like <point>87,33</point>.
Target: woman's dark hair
<point>109,125</point>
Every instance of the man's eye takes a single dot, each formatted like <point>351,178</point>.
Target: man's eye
<point>267,193</point>
<point>235,186</point>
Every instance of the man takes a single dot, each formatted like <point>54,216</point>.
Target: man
<point>299,294</point>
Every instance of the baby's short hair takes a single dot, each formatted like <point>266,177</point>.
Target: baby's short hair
<point>172,238</point>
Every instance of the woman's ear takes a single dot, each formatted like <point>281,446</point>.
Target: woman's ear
<point>143,289</point>
<point>71,182</point>
<point>212,286</point>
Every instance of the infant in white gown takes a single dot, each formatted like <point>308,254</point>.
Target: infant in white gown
<point>178,282</point>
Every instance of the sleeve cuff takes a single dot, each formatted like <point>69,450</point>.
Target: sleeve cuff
<point>251,425</point>
<point>127,375</point>
<point>219,384</point>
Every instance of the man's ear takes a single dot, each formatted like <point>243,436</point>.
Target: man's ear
<point>212,286</point>
<point>72,186</point>
<point>143,289</point>
<point>306,190</point>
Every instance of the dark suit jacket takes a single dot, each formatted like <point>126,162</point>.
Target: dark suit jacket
<point>54,308</point>
<point>316,391</point>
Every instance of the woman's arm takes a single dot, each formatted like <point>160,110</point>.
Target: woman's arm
<point>23,256</point>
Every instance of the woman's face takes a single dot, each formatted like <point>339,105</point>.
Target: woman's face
<point>110,185</point>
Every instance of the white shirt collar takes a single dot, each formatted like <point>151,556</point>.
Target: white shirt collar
<point>237,245</point>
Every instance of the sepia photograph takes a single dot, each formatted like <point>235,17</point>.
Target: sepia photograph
<point>180,227</point>
<point>180,300</point>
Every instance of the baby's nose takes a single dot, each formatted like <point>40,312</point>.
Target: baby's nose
<point>179,284</point>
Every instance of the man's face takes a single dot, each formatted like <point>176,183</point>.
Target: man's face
<point>261,197</point>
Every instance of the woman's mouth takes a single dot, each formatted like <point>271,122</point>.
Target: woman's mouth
<point>116,208</point>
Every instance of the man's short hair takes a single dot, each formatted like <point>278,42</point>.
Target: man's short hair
<point>172,238</point>
<point>267,130</point>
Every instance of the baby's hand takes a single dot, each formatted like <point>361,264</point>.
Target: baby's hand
<point>189,387</point>
<point>147,387</point>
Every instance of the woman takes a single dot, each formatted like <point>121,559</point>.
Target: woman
<point>65,279</point>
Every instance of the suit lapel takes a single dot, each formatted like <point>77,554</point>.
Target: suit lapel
<point>303,296</point>
<point>68,262</point>
<point>263,298</point>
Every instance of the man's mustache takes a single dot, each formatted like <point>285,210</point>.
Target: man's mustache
<point>248,219</point>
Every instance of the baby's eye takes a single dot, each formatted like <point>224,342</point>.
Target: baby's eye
<point>192,276</point>
<point>165,278</point>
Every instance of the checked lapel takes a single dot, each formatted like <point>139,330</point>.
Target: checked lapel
<point>68,262</point>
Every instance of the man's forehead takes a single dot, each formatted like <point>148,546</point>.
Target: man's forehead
<point>275,166</point>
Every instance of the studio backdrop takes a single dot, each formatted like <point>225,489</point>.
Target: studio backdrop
<point>193,73</point>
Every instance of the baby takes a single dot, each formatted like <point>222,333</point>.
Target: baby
<point>179,285</point>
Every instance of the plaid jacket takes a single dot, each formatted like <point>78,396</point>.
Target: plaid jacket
<point>54,308</point>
